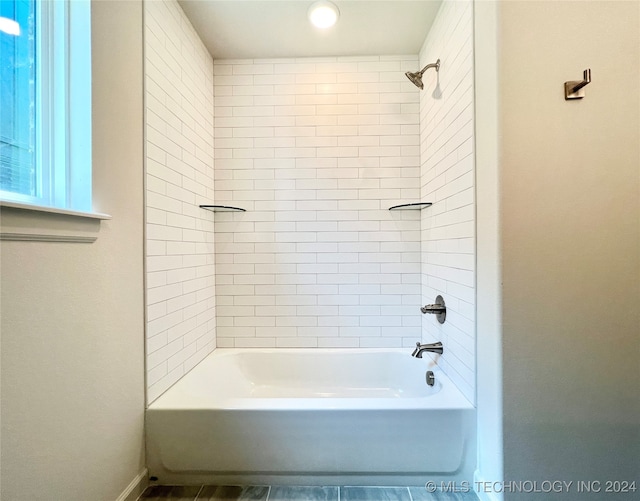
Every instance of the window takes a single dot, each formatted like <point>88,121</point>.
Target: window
<point>45,103</point>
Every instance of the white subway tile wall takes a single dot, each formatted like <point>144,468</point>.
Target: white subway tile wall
<point>180,262</point>
<point>447,180</point>
<point>317,150</point>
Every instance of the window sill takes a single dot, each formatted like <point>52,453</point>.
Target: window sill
<point>26,222</point>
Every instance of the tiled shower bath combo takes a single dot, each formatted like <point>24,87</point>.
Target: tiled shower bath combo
<point>250,309</point>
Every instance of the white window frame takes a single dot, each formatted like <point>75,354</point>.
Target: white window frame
<point>63,107</point>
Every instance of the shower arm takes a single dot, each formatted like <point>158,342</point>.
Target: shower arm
<point>435,65</point>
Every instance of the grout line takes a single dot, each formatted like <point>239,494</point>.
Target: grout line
<point>410,496</point>
<point>199,492</point>
<point>268,493</point>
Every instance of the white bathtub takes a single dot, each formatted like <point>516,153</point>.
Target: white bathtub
<point>311,416</point>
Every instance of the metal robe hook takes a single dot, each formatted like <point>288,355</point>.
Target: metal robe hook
<point>573,89</point>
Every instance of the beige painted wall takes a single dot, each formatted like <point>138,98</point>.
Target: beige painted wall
<point>570,221</point>
<point>72,314</point>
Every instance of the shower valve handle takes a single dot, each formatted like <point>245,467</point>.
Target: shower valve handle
<point>433,308</point>
<point>438,309</point>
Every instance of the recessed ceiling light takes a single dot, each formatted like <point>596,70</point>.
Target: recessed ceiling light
<point>323,14</point>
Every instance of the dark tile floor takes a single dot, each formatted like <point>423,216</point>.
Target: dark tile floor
<point>296,493</point>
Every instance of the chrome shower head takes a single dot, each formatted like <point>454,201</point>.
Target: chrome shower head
<point>416,78</point>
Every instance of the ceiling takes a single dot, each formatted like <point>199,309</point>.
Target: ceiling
<point>253,29</point>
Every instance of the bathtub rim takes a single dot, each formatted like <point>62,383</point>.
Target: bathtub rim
<point>446,398</point>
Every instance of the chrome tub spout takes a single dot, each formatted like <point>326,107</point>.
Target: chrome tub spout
<point>431,347</point>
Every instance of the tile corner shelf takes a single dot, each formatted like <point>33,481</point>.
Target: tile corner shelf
<point>413,206</point>
<point>222,208</point>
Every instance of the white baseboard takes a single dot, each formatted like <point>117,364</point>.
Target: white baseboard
<point>136,487</point>
<point>482,495</point>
